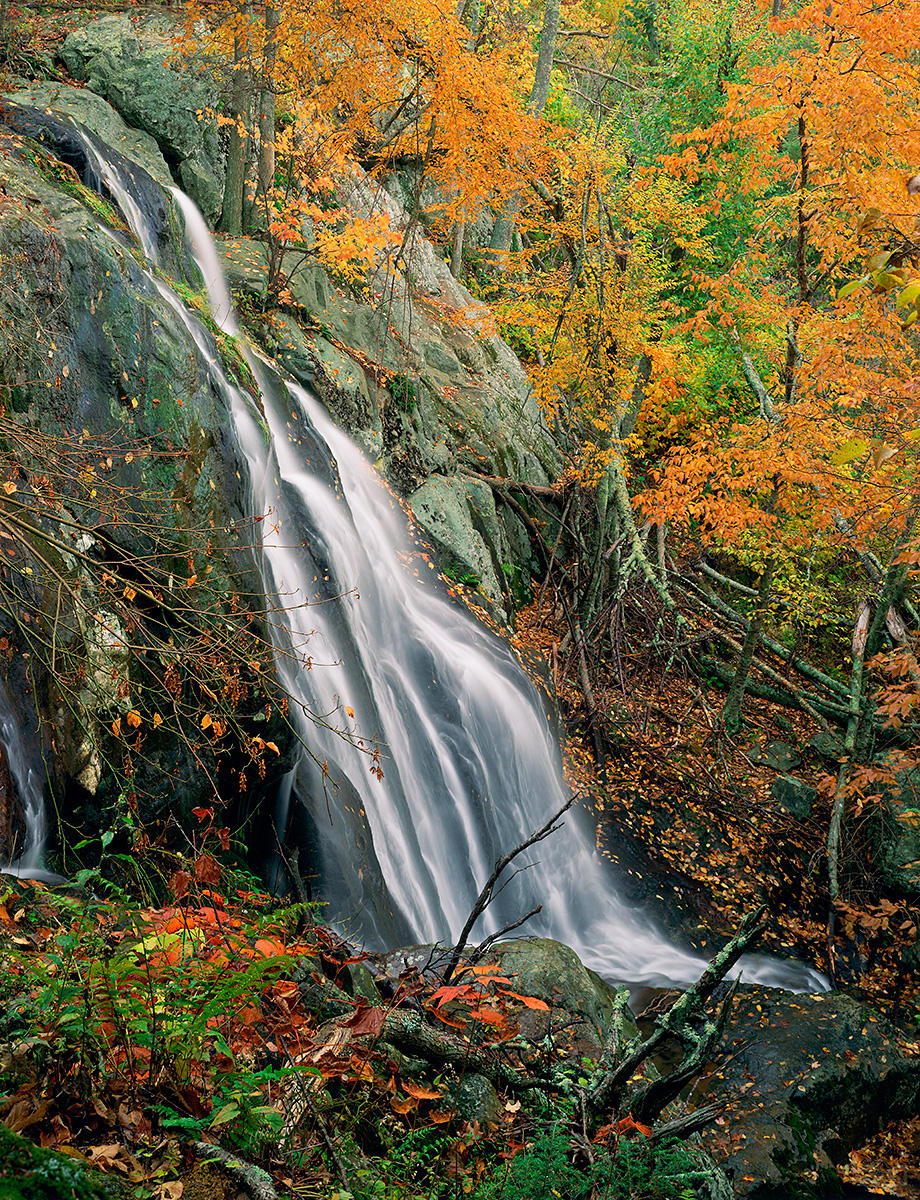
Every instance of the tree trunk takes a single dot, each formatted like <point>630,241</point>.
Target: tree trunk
<point>731,713</point>
<point>503,230</point>
<point>456,252</point>
<point>231,217</point>
<point>266,174</point>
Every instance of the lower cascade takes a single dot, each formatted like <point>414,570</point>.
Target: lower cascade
<point>26,784</point>
<point>374,657</point>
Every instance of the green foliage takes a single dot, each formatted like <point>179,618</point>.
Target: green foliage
<point>404,391</point>
<point>636,1170</point>
<point>28,1173</point>
<point>541,1172</point>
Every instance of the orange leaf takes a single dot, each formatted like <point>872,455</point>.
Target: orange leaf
<point>527,1001</point>
<point>269,947</point>
<point>419,1093</point>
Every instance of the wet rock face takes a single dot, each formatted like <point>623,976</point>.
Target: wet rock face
<point>98,115</point>
<point>411,370</point>
<point>127,63</point>
<point>805,1080</point>
<point>88,343</point>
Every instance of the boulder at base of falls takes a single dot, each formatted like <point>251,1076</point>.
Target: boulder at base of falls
<point>805,1079</point>
<point>128,63</point>
<point>537,967</point>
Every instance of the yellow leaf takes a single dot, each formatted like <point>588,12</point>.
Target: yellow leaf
<point>849,451</point>
<point>349,711</point>
<point>133,718</point>
<point>273,747</point>
<point>206,721</point>
<point>157,720</point>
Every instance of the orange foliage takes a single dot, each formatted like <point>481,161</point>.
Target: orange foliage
<point>819,147</point>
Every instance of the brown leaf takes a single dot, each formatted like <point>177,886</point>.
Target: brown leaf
<point>365,1021</point>
<point>420,1093</point>
<point>179,883</point>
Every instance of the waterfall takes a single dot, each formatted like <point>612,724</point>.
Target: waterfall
<point>470,766</point>
<point>27,782</point>
<point>374,657</point>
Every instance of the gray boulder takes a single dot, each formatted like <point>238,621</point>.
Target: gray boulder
<point>553,973</point>
<point>806,1079</point>
<point>896,832</point>
<point>778,755</point>
<point>128,65</point>
<point>794,795</point>
<point>100,118</point>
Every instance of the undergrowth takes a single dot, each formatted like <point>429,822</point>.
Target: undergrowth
<point>132,1032</point>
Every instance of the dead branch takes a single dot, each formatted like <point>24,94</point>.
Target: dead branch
<point>486,895</point>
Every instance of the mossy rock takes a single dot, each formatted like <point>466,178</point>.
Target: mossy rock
<point>29,1173</point>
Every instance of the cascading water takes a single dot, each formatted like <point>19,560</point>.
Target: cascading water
<point>469,764</point>
<point>29,790</point>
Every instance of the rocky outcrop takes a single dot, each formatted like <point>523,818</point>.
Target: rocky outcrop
<point>90,341</point>
<point>98,115</point>
<point>896,831</point>
<point>128,62</point>
<point>410,365</point>
<point>805,1079</point>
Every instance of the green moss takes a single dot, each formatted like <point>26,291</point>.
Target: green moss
<point>29,1173</point>
<point>53,171</point>
<point>231,355</point>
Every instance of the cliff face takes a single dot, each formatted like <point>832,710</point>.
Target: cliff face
<point>408,365</point>
<point>93,348</point>
<point>106,394</point>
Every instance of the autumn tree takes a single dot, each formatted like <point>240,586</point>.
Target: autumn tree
<point>400,87</point>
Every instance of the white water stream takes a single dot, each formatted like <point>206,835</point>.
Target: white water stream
<point>29,792</point>
<point>469,763</point>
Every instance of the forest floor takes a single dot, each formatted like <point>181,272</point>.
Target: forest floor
<point>686,818</point>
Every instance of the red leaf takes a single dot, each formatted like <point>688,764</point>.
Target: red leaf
<point>445,994</point>
<point>366,1021</point>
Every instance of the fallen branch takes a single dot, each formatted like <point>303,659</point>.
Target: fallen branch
<point>252,1179</point>
<point>606,1088</point>
<point>774,695</point>
<point>717,604</point>
<point>408,1031</point>
<point>532,489</point>
<point>485,896</point>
